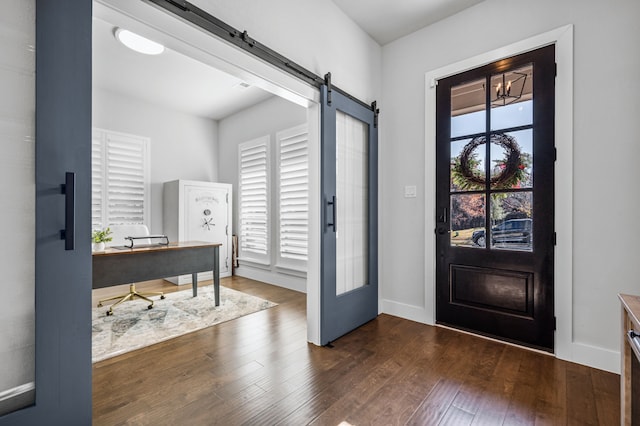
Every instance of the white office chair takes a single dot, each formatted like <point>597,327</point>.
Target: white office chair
<point>119,233</point>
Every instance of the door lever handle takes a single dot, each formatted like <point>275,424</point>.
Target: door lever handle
<point>441,230</point>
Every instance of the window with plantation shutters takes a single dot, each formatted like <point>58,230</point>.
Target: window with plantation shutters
<point>254,200</point>
<point>120,179</point>
<point>293,197</point>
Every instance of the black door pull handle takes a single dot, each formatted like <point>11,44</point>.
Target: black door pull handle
<point>68,188</point>
<point>333,223</point>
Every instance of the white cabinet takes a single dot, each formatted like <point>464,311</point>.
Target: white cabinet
<point>199,211</point>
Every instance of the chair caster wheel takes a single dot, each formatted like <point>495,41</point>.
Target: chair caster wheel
<point>109,313</point>
<point>150,307</point>
<point>99,305</point>
<point>162,296</point>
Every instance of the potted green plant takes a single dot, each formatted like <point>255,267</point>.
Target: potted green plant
<point>99,238</point>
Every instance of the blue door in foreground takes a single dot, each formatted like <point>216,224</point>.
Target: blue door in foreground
<point>62,391</point>
<point>349,280</point>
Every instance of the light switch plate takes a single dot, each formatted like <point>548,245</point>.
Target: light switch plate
<point>410,191</point>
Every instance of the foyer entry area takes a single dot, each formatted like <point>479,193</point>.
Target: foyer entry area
<point>259,369</point>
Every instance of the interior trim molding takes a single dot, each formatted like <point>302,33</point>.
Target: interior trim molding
<point>17,397</point>
<point>593,356</point>
<point>404,310</point>
<point>266,276</point>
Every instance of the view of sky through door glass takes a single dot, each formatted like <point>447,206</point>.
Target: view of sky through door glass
<point>468,115</point>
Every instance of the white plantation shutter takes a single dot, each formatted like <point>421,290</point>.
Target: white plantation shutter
<point>293,188</point>
<point>125,182</point>
<point>254,199</point>
<point>98,220</point>
<point>120,174</point>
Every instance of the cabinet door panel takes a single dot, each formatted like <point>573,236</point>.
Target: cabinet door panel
<point>206,218</point>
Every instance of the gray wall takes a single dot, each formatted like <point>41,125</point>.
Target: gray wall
<point>182,146</point>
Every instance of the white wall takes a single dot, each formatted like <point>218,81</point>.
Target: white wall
<point>182,146</point>
<point>315,34</point>
<point>265,118</point>
<point>606,129</point>
<point>17,227</point>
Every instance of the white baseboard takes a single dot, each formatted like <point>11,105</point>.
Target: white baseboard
<point>274,278</point>
<point>593,356</point>
<point>17,398</point>
<point>403,310</point>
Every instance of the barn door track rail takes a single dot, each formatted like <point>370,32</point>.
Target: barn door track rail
<point>241,39</point>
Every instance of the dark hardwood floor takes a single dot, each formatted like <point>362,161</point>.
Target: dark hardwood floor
<point>259,370</point>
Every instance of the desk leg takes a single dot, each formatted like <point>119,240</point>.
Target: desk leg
<point>216,273</point>
<point>194,283</point>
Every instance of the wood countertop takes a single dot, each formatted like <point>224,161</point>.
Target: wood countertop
<point>154,247</point>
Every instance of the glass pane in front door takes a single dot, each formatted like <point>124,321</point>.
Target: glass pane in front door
<point>512,160</point>
<point>468,110</point>
<point>352,212</point>
<point>512,98</point>
<point>17,171</point>
<point>468,167</point>
<point>467,220</point>
<point>512,220</point>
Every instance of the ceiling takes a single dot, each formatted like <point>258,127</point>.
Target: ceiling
<point>181,83</point>
<point>171,79</point>
<point>388,20</point>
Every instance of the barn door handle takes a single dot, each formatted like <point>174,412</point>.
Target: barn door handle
<point>68,188</point>
<point>333,223</point>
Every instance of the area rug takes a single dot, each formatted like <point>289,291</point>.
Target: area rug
<point>133,326</point>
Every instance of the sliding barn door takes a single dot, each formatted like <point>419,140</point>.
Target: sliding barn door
<point>349,282</point>
<point>50,316</point>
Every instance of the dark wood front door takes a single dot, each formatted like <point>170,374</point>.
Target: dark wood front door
<point>494,197</point>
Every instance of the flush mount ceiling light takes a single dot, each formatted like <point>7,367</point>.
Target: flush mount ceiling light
<point>138,43</point>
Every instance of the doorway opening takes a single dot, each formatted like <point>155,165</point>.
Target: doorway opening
<point>194,139</point>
